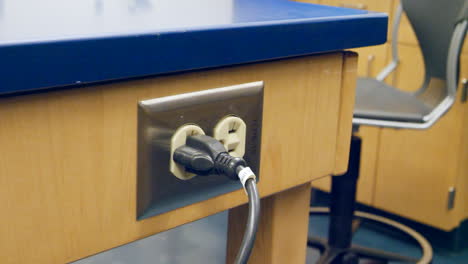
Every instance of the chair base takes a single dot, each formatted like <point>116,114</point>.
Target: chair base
<point>378,256</point>
<point>338,248</point>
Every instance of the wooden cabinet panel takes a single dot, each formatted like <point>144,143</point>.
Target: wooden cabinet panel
<point>348,85</point>
<point>461,201</point>
<point>405,31</point>
<point>415,169</point>
<point>68,173</point>
<point>367,168</point>
<point>384,6</point>
<point>465,47</point>
<point>323,184</point>
<point>409,75</point>
<point>372,60</point>
<point>345,124</point>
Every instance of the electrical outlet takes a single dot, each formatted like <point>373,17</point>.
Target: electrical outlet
<point>162,187</point>
<point>230,131</point>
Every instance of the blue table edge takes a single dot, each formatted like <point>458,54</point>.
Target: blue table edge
<point>74,62</point>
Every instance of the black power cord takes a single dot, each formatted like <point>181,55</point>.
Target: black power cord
<point>252,223</point>
<point>204,155</point>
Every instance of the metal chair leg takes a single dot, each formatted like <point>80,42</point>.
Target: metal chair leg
<point>343,202</point>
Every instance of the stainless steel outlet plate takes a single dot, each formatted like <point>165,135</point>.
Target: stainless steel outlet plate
<point>158,191</point>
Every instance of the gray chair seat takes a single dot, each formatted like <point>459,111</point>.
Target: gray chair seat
<point>377,100</point>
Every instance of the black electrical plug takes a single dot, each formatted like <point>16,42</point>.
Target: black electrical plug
<point>204,155</point>
<point>195,161</point>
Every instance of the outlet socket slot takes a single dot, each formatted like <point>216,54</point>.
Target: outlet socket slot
<point>158,190</point>
<point>231,132</point>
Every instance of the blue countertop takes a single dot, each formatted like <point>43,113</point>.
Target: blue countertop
<point>56,43</point>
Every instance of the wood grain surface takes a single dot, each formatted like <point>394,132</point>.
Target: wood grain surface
<point>68,162</point>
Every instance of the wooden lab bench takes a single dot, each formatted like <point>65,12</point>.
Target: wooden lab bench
<point>71,78</point>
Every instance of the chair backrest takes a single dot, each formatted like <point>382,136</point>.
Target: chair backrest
<point>440,27</point>
<point>433,22</point>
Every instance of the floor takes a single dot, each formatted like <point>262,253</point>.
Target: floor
<point>204,241</point>
<point>199,242</point>
<point>371,235</point>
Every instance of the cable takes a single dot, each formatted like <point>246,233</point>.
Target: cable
<point>205,155</point>
<point>252,223</point>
